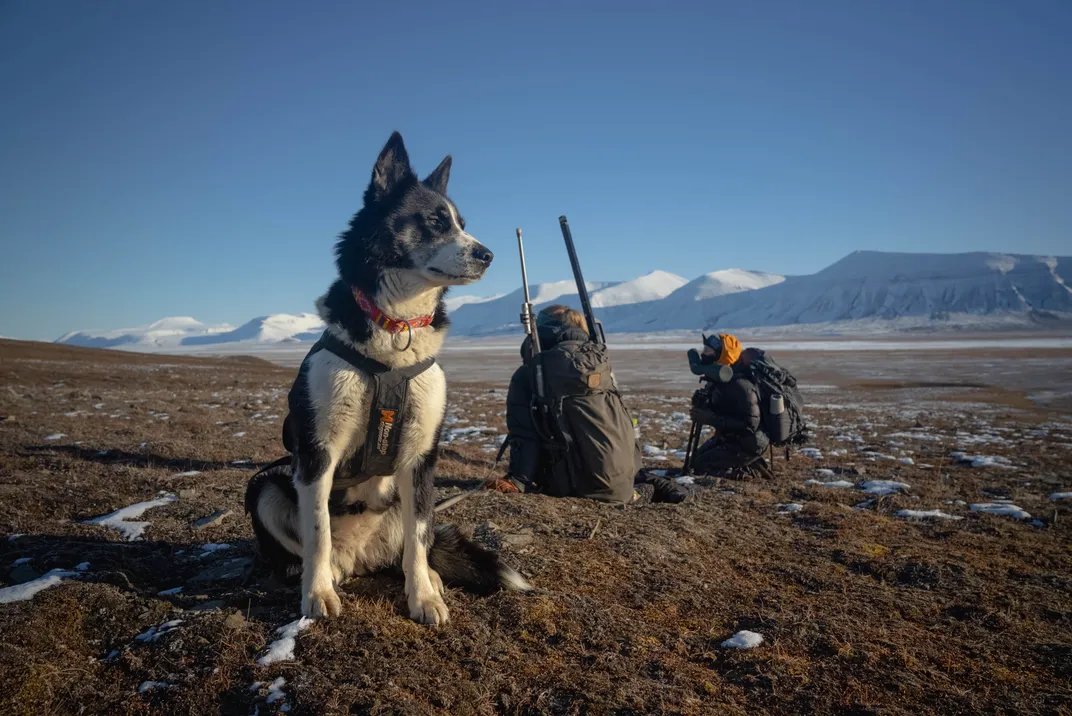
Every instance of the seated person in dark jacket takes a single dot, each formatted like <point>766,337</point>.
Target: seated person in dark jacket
<point>732,408</point>
<point>603,458</point>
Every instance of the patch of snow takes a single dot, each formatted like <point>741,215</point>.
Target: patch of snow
<point>998,461</point>
<point>189,473</point>
<point>1061,496</point>
<point>275,690</point>
<point>813,453</point>
<point>1001,508</point>
<point>118,520</point>
<point>684,479</point>
<point>12,538</point>
<point>147,686</point>
<point>825,472</point>
<point>844,484</point>
<point>82,567</point>
<point>455,433</point>
<point>239,435</point>
<point>789,508</point>
<point>907,461</point>
<point>55,436</point>
<point>743,640</point>
<point>283,648</point>
<point>925,514</point>
<point>157,632</point>
<point>207,549</point>
<point>169,592</point>
<point>21,560</point>
<point>883,487</point>
<point>26,590</point>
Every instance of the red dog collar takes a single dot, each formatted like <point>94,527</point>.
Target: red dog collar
<point>381,319</point>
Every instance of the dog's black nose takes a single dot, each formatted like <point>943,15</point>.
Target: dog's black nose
<point>482,254</point>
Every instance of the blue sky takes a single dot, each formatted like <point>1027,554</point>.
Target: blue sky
<point>177,158</point>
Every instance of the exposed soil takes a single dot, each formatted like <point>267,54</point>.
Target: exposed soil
<point>861,611</point>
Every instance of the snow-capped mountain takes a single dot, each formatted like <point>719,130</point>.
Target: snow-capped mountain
<point>649,287</point>
<point>165,333</point>
<point>923,290</point>
<point>876,285</point>
<point>184,331</point>
<point>455,302</point>
<point>502,314</point>
<point>266,329</point>
<point>721,283</point>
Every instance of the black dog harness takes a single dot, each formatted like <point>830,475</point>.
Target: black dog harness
<point>386,412</point>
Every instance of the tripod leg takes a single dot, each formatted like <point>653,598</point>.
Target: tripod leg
<point>690,447</point>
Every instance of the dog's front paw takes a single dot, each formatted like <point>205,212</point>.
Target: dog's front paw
<point>428,608</point>
<point>321,603</point>
<point>437,582</point>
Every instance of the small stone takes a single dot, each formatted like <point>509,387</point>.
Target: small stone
<point>235,620</point>
<point>232,570</point>
<point>209,606</point>
<point>517,540</point>
<point>215,518</point>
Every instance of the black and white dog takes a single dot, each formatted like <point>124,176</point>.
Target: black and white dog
<point>318,510</point>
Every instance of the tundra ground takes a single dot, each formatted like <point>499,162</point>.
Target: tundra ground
<point>863,608</point>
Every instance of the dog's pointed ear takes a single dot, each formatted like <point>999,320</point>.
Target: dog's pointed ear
<point>392,168</point>
<point>438,179</point>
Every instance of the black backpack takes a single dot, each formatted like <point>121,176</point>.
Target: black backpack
<point>773,380</point>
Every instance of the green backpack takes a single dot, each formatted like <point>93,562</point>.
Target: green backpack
<point>590,431</point>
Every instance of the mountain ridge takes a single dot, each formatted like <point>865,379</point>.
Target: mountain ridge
<point>864,285</point>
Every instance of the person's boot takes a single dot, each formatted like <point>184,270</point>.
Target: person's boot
<point>667,490</point>
<point>759,467</point>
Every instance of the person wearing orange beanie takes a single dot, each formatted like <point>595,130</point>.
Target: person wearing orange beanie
<point>731,405</point>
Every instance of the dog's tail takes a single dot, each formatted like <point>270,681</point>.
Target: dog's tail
<point>462,563</point>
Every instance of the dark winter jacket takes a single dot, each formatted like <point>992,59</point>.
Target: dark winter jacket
<point>525,447</point>
<point>732,408</point>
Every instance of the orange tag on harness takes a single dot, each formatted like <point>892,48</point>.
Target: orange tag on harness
<point>594,379</point>
<point>383,438</point>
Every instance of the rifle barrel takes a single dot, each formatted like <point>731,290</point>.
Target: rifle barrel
<point>524,273</point>
<point>582,289</point>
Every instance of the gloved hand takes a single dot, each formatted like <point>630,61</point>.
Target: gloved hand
<point>703,415</point>
<point>699,399</point>
<point>500,484</point>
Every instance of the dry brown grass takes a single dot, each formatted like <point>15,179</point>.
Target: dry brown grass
<point>862,612</point>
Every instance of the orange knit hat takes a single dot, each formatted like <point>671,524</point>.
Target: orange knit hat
<point>731,349</point>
